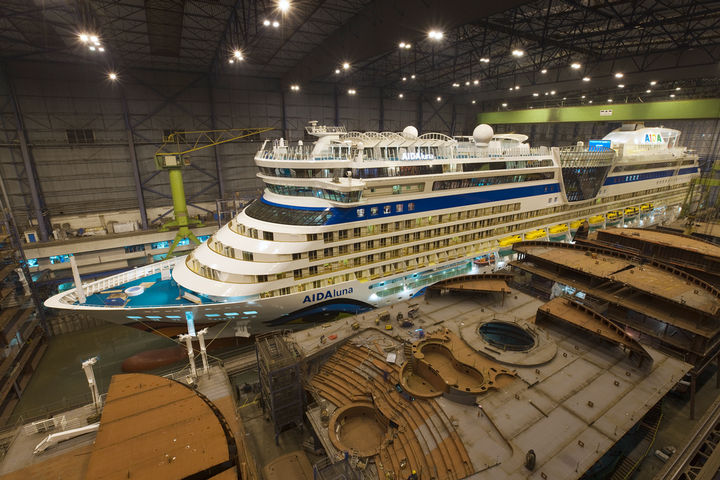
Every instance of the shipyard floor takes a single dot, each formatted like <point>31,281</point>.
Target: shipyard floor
<point>59,381</point>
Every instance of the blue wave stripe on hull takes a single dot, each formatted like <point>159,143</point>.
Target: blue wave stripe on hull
<point>340,305</point>
<point>346,215</point>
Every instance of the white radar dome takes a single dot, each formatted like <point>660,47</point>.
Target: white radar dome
<point>483,133</point>
<point>410,132</point>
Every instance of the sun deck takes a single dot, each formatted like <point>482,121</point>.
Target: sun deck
<point>155,293</point>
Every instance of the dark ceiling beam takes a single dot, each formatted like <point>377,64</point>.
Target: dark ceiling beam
<point>379,26</point>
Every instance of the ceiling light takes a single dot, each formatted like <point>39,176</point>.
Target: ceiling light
<point>583,96</point>
<point>412,76</point>
<point>609,100</point>
<point>455,84</point>
<point>231,61</point>
<point>400,95</point>
<point>473,102</point>
<point>564,98</point>
<point>345,65</point>
<point>653,83</point>
<point>518,53</point>
<point>238,54</point>
<point>101,49</point>
<point>337,70</point>
<point>94,38</point>
<point>84,38</point>
<point>476,82</point>
<point>504,104</point>
<point>672,95</point>
<point>552,92</point>
<point>547,93</point>
<point>408,46</point>
<point>619,75</point>
<point>404,79</point>
<point>92,47</point>
<point>401,45</point>
<point>575,66</point>
<point>517,87</point>
<point>283,5</point>
<point>620,85</point>
<point>351,91</point>
<point>586,79</point>
<point>435,34</point>
<point>295,88</point>
<point>510,89</point>
<point>112,76</point>
<point>543,71</point>
<point>275,23</point>
<point>439,99</point>
<point>648,91</point>
<point>467,84</point>
<point>677,89</point>
<point>589,101</point>
<point>266,22</point>
<point>485,60</point>
<point>536,94</point>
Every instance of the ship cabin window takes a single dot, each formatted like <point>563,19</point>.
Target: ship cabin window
<point>360,212</point>
<point>262,278</point>
<point>268,236</point>
<point>342,235</point>
<point>387,209</point>
<point>328,252</point>
<point>312,237</point>
<point>312,255</point>
<point>357,232</point>
<point>340,151</point>
<point>247,256</point>
<point>399,208</point>
<point>373,210</point>
<point>384,227</point>
<point>369,153</point>
<point>411,207</point>
<point>313,270</point>
<point>296,256</point>
<point>343,249</point>
<point>328,236</point>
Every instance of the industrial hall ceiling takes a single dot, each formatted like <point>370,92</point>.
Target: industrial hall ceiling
<point>533,53</point>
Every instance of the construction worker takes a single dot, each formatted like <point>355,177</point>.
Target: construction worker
<point>413,476</point>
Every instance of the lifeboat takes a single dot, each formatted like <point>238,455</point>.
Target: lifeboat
<point>596,222</point>
<point>535,234</point>
<point>576,224</point>
<point>558,233</point>
<point>507,243</point>
<point>613,218</point>
<point>631,212</point>
<point>646,207</point>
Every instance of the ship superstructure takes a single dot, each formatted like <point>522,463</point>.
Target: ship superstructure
<point>359,220</point>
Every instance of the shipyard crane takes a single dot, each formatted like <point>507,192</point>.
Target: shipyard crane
<point>173,156</point>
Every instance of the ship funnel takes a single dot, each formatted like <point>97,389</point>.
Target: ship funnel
<point>482,134</point>
<point>410,132</point>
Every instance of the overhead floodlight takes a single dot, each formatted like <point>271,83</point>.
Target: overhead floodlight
<point>101,49</point>
<point>345,65</point>
<point>564,98</point>
<point>94,38</point>
<point>337,70</point>
<point>518,53</point>
<point>112,76</point>
<point>575,66</point>
<point>455,85</point>
<point>547,93</point>
<point>485,60</point>
<point>84,38</point>
<point>412,76</point>
<point>583,96</point>
<point>231,61</point>
<point>504,104</point>
<point>510,89</point>
<point>352,91</point>
<point>400,95</point>
<point>467,83</point>
<point>619,75</point>
<point>238,55</point>
<point>92,48</point>
<point>435,35</point>
<point>517,87</point>
<point>609,100</point>
<point>408,46</point>
<point>275,24</point>
<point>653,83</point>
<point>621,85</point>
<point>473,102</point>
<point>552,92</point>
<point>404,79</point>
<point>401,44</point>
<point>295,88</point>
<point>672,95</point>
<point>586,79</point>
<point>543,71</point>
<point>439,99</point>
<point>648,91</point>
<point>266,22</point>
<point>476,82</point>
<point>536,94</point>
<point>677,89</point>
<point>283,5</point>
<point>589,101</point>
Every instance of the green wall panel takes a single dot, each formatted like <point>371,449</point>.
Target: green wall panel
<point>673,110</point>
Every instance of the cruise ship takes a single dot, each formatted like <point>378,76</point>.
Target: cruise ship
<point>356,221</point>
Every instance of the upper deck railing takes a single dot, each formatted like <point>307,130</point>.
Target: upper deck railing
<point>576,156</point>
<point>121,279</point>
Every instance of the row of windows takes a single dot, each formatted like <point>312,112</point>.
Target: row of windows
<point>406,239</point>
<point>480,182</point>
<point>296,191</point>
<point>645,166</point>
<point>404,170</point>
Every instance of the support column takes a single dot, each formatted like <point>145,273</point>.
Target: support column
<point>337,107</point>
<point>216,150</point>
<point>693,377</point>
<point>30,171</point>
<point>381,123</point>
<point>134,163</point>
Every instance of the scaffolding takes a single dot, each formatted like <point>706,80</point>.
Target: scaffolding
<point>280,372</point>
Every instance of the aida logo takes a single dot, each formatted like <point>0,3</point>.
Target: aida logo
<point>417,156</point>
<point>653,138</point>
<point>316,297</point>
